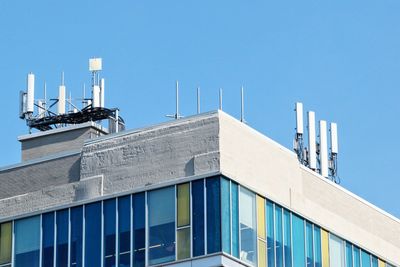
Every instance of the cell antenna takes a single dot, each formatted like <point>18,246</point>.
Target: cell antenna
<point>333,172</point>
<point>323,149</point>
<point>176,116</point>
<point>298,139</point>
<point>312,142</point>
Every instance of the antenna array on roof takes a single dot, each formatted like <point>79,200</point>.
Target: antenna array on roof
<point>316,156</point>
<point>93,109</point>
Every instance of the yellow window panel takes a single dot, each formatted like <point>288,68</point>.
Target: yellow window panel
<point>5,243</point>
<point>325,248</point>
<point>260,217</point>
<point>183,193</point>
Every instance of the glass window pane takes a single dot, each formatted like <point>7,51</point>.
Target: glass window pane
<point>287,238</point>
<point>76,236</point>
<point>161,210</point>
<point>261,217</point>
<point>365,259</point>
<point>374,261</point>
<point>183,204</point>
<point>235,219</point>
<point>213,215</point>
<point>309,245</point>
<point>124,232</point>
<point>198,217</point>
<point>381,263</point>
<point>317,246</point>
<point>325,248</point>
<point>262,254</point>
<point>93,234</point>
<point>109,210</point>
<point>183,245</point>
<point>270,234</point>
<point>62,238</point>
<point>27,242</point>
<point>278,237</point>
<point>48,239</point>
<point>248,238</point>
<point>299,257</point>
<point>349,255</point>
<point>336,251</point>
<point>226,215</point>
<point>138,231</point>
<point>356,257</point>
<point>5,242</point>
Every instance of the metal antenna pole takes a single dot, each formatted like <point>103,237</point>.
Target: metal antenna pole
<point>83,97</point>
<point>177,101</point>
<point>45,97</point>
<point>198,100</point>
<point>62,78</point>
<point>220,98</point>
<point>242,105</point>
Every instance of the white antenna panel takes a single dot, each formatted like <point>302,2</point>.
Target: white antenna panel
<point>102,87</point>
<point>22,104</point>
<point>96,96</point>
<point>30,98</point>
<point>299,118</point>
<point>61,100</point>
<point>312,140</point>
<point>41,110</point>
<point>323,149</point>
<point>334,139</point>
<point>95,64</point>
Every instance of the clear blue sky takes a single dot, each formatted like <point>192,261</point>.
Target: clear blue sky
<point>341,58</point>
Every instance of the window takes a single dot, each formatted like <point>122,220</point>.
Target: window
<point>138,231</point>
<point>213,215</point>
<point>93,234</point>
<point>198,217</point>
<point>183,223</point>
<point>27,242</point>
<point>287,237</point>
<point>161,210</point>
<point>365,259</point>
<point>309,245</point>
<point>62,238</point>
<point>278,236</point>
<point>325,248</point>
<point>247,217</point>
<point>226,215</point>
<point>356,257</point>
<point>76,236</point>
<point>235,219</point>
<point>336,251</point>
<point>48,239</point>
<point>109,210</point>
<point>124,232</point>
<point>5,242</point>
<point>374,261</point>
<point>349,255</point>
<point>262,247</point>
<point>299,257</point>
<point>270,234</point>
<point>317,246</point>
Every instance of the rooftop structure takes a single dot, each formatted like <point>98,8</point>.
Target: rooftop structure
<point>205,190</point>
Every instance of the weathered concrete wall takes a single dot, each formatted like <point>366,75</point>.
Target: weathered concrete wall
<point>36,176</point>
<point>273,171</point>
<point>178,149</point>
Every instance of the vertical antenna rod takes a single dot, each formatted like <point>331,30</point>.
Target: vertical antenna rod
<point>312,144</point>
<point>198,100</point>
<point>177,100</point>
<point>220,98</point>
<point>242,105</point>
<point>323,151</point>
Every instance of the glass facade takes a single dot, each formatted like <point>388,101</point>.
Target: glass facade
<point>205,216</point>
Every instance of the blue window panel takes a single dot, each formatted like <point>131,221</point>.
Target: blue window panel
<point>287,238</point>
<point>317,247</point>
<point>62,238</point>
<point>365,259</point>
<point>309,245</point>
<point>198,217</point>
<point>299,257</point>
<point>124,233</point>
<point>278,236</point>
<point>270,234</point>
<point>138,229</point>
<point>76,236</point>
<point>27,242</point>
<point>374,261</point>
<point>48,240</point>
<point>356,257</point>
<point>213,215</point>
<point>248,230</point>
<point>349,255</point>
<point>161,210</point>
<point>226,215</point>
<point>235,219</point>
<point>93,234</point>
<point>109,210</point>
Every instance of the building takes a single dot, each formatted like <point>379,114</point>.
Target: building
<point>206,190</point>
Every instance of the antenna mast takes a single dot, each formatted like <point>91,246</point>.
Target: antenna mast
<point>176,116</point>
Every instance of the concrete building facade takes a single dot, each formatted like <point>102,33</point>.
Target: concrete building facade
<point>206,190</point>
